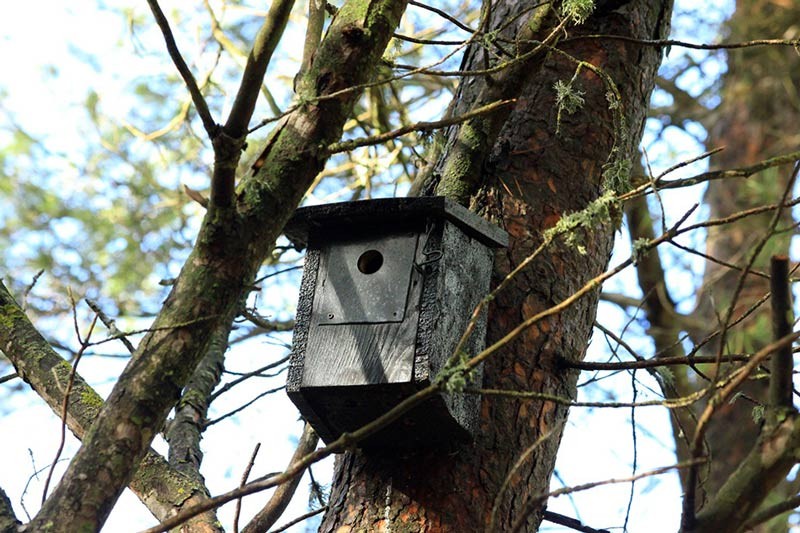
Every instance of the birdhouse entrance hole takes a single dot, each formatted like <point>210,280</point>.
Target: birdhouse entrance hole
<point>370,262</point>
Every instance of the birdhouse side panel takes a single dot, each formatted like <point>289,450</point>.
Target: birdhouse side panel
<point>464,278</point>
<point>305,304</point>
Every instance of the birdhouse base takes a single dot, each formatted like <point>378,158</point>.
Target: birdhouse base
<point>440,421</point>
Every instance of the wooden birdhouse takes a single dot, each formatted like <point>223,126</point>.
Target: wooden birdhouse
<point>388,289</point>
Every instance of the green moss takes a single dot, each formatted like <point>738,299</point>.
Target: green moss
<point>91,399</point>
<point>10,314</point>
<point>462,168</point>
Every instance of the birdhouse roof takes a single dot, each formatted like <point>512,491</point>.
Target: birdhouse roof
<point>389,213</point>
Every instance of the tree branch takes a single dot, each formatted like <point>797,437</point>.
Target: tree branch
<point>257,62</point>
<point>185,431</point>
<point>424,127</point>
<point>228,145</point>
<point>316,21</point>
<point>280,499</point>
<point>765,466</point>
<point>780,380</point>
<point>572,523</point>
<point>771,512</point>
<point>229,249</point>
<point>188,78</point>
<point>757,472</point>
<point>163,490</point>
<point>8,520</point>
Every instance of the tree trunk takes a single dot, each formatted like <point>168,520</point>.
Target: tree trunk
<point>757,119</point>
<point>532,178</point>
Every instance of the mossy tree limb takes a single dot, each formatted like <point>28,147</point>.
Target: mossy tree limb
<point>767,464</point>
<point>161,488</point>
<point>232,244</point>
<point>8,520</point>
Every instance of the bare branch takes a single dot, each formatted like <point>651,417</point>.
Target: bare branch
<point>9,377</point>
<point>299,519</point>
<point>423,127</point>
<point>794,43</point>
<point>257,62</point>
<point>245,477</point>
<point>534,502</point>
<point>571,523</point>
<point>109,323</point>
<point>280,499</point>
<point>771,512</point>
<point>188,78</point>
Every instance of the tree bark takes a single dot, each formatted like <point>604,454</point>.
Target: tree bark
<point>757,119</point>
<point>531,179</point>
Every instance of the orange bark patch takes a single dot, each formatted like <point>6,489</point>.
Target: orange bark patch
<point>519,371</point>
<point>410,512</point>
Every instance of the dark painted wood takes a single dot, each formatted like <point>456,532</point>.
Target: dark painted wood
<point>345,372</point>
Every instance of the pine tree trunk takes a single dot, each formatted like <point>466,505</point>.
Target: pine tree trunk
<point>532,178</point>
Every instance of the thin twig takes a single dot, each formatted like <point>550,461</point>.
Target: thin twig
<point>444,15</point>
<point>776,216</point>
<point>29,288</point>
<point>424,127</point>
<point>245,475</point>
<point>685,44</point>
<point>243,407</point>
<point>65,404</point>
<point>188,78</point>
<point>517,465</point>
<point>274,508</point>
<point>9,377</point>
<point>109,323</point>
<point>651,363</point>
<point>533,503</point>
<point>572,523</point>
<point>228,386</point>
<point>299,519</point>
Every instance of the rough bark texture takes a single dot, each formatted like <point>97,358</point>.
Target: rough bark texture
<point>233,242</point>
<point>531,180</point>
<point>185,431</point>
<point>8,521</point>
<point>757,119</point>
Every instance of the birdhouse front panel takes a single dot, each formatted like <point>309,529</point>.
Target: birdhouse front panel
<point>363,322</point>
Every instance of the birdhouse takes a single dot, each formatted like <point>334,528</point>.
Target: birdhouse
<point>388,289</point>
